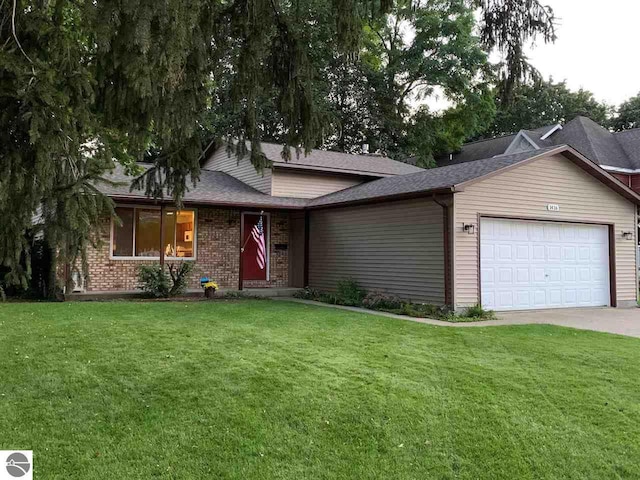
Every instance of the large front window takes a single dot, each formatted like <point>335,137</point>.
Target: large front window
<point>140,233</point>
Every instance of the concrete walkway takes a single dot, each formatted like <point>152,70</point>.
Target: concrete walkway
<point>622,321</point>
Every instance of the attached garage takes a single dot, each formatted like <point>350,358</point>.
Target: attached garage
<point>533,230</point>
<point>552,232</point>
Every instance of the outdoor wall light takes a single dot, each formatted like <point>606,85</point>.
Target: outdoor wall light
<point>470,228</point>
<point>627,235</point>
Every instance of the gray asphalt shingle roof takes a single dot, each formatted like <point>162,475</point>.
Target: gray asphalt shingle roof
<point>221,189</point>
<point>428,180</point>
<point>621,150</point>
<point>490,147</point>
<point>371,164</point>
<point>629,140</point>
<point>593,141</point>
<point>214,188</point>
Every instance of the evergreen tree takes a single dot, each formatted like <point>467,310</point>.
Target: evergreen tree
<point>84,83</point>
<point>508,26</point>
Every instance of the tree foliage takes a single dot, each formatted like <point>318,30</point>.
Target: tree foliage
<point>627,115</point>
<point>508,26</point>
<point>441,55</point>
<point>545,103</point>
<point>86,83</point>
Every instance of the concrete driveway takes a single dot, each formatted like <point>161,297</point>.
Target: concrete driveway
<point>623,321</point>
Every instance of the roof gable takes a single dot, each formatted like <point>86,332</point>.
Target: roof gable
<point>521,143</point>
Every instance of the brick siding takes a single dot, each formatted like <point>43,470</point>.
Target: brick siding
<point>217,255</point>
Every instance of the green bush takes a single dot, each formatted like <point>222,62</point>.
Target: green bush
<point>159,282</point>
<point>178,274</point>
<point>381,301</point>
<point>153,280</point>
<point>240,295</point>
<point>424,310</point>
<point>476,312</point>
<point>350,293</point>
<point>307,293</point>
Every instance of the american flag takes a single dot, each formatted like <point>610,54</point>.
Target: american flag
<point>257,232</point>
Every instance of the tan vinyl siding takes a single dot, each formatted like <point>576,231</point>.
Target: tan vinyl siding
<point>243,170</point>
<point>395,247</point>
<point>309,185</point>
<point>525,192</point>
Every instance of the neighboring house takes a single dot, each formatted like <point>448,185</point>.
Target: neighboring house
<point>543,228</point>
<point>616,152</point>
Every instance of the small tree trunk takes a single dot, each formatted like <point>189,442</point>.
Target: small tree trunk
<point>52,274</point>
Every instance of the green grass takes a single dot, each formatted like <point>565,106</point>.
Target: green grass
<point>266,389</point>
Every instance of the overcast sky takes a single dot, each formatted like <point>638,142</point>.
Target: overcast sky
<point>596,47</point>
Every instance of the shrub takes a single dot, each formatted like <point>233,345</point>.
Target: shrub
<point>424,310</point>
<point>239,295</point>
<point>350,293</point>
<point>476,312</point>
<point>178,275</point>
<point>153,280</point>
<point>381,301</point>
<point>307,293</point>
<point>158,283</point>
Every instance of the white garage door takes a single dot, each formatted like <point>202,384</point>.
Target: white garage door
<point>526,264</point>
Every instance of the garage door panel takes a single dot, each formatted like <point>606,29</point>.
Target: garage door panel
<point>522,275</point>
<point>569,274</point>
<point>538,252</point>
<point>571,297</point>
<point>488,252</point>
<point>555,297</point>
<point>554,252</point>
<point>539,298</point>
<point>521,252</point>
<point>503,252</point>
<point>551,233</point>
<point>528,264</point>
<point>569,253</point>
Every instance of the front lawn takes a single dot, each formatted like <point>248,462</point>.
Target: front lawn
<point>267,389</point>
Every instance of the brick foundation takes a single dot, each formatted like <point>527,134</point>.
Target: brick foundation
<point>217,255</point>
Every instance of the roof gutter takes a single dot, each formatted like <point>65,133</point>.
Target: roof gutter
<point>386,198</point>
<point>627,171</point>
<point>151,201</point>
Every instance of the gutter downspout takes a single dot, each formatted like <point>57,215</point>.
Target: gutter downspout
<point>447,250</point>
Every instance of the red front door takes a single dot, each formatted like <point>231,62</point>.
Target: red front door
<point>255,259</point>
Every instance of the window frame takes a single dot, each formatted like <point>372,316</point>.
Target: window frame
<point>152,207</point>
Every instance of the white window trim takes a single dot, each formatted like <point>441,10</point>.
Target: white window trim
<point>138,258</point>
<point>267,241</point>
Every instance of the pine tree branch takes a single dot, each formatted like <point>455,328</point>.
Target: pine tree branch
<point>13,30</point>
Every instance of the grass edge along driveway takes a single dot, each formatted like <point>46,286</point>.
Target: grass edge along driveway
<point>265,389</point>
